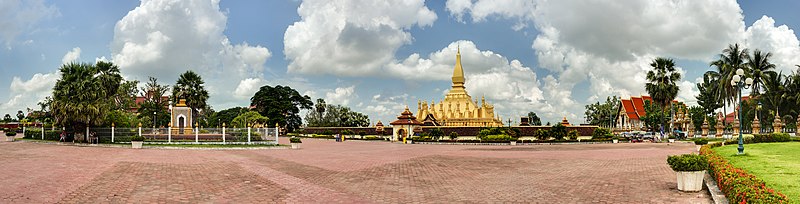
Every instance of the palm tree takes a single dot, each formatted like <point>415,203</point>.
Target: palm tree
<point>731,59</point>
<point>662,83</point>
<point>190,87</point>
<point>84,93</point>
<point>759,65</point>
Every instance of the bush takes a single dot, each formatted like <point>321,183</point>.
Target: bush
<point>453,135</point>
<point>497,138</point>
<point>137,138</point>
<point>295,140</point>
<point>327,132</point>
<point>701,141</point>
<point>346,132</point>
<point>362,133</point>
<point>671,137</point>
<point>687,162</point>
<point>601,133</point>
<point>738,185</point>
<point>33,133</point>
<point>558,131</point>
<point>11,133</point>
<point>772,137</point>
<point>372,138</point>
<point>542,134</point>
<point>416,138</point>
<point>573,134</point>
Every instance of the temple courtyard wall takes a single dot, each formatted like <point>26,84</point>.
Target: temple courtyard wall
<point>526,132</point>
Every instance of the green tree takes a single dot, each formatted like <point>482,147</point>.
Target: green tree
<point>226,116</point>
<point>662,83</point>
<point>84,93</point>
<point>708,97</point>
<point>190,86</point>
<point>603,114</point>
<point>7,118</point>
<point>120,119</point>
<point>697,113</point>
<point>281,104</point>
<point>153,91</point>
<point>732,58</point>
<point>20,115</point>
<point>654,115</point>
<point>534,119</point>
<point>337,116</point>
<point>248,119</point>
<point>126,95</point>
<point>759,66</point>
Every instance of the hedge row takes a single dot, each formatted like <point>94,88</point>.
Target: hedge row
<point>738,185</point>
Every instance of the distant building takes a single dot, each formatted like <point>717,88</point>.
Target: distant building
<point>630,113</point>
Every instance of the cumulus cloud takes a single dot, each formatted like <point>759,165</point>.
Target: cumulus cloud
<point>341,95</point>
<point>25,93</point>
<point>351,38</point>
<point>779,40</point>
<point>17,17</point>
<point>164,38</point>
<point>609,44</point>
<point>247,88</point>
<point>71,56</point>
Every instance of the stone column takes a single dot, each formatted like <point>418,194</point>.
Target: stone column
<point>777,124</point>
<point>705,126</point>
<point>756,126</point>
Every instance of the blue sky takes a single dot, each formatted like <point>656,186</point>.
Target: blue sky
<point>377,57</point>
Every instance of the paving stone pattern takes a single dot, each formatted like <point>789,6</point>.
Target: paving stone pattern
<point>324,171</point>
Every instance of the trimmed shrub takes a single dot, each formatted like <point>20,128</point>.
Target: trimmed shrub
<point>558,131</point>
<point>453,135</point>
<point>701,141</point>
<point>295,140</point>
<point>738,185</point>
<point>687,162</point>
<point>362,133</point>
<point>601,133</point>
<point>542,134</point>
<point>137,138</point>
<point>772,137</point>
<point>497,138</point>
<point>372,138</point>
<point>11,133</point>
<point>573,135</point>
<point>33,133</point>
<point>327,132</point>
<point>346,132</point>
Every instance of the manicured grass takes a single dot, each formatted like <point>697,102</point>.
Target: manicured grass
<point>778,164</point>
<point>213,145</point>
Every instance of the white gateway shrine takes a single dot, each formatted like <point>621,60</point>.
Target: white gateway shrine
<point>181,118</point>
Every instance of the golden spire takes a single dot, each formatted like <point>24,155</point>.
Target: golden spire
<point>458,72</point>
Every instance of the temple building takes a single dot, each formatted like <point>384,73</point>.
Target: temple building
<point>458,108</point>
<point>632,110</point>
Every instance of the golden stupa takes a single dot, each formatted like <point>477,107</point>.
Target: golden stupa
<point>458,108</point>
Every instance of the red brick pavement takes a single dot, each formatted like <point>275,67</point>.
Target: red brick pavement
<point>324,171</point>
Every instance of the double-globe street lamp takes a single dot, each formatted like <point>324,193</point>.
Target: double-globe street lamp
<point>739,84</point>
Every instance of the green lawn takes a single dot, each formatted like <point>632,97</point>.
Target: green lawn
<point>778,164</point>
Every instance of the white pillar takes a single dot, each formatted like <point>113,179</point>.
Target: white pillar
<point>112,134</point>
<point>42,131</point>
<point>196,138</point>
<point>140,131</point>
<point>86,136</point>
<point>223,134</point>
<point>248,134</point>
<point>276,134</point>
<point>169,134</point>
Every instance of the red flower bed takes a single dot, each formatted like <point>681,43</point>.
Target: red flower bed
<point>738,185</point>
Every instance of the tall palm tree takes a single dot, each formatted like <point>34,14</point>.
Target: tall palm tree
<point>732,58</point>
<point>190,86</point>
<point>84,93</point>
<point>662,83</point>
<point>759,66</point>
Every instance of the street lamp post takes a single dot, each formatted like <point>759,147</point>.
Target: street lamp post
<point>739,84</point>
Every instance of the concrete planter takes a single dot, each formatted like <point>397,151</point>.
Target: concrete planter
<point>671,140</point>
<point>136,144</point>
<point>9,138</point>
<point>615,141</point>
<point>513,143</point>
<point>295,145</point>
<point>690,180</point>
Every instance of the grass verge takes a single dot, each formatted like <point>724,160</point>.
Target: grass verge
<point>778,164</point>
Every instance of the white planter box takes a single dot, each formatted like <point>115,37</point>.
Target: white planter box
<point>671,140</point>
<point>513,143</point>
<point>136,144</point>
<point>295,145</point>
<point>9,138</point>
<point>690,180</point>
<point>615,141</point>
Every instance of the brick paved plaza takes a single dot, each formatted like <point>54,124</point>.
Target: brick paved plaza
<point>324,171</point>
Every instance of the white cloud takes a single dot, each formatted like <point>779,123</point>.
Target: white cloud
<point>341,95</point>
<point>25,94</point>
<point>779,40</point>
<point>71,56</point>
<point>164,38</point>
<point>18,17</point>
<point>351,38</point>
<point>247,88</point>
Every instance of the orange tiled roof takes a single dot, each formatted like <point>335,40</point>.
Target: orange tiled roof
<point>627,104</point>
